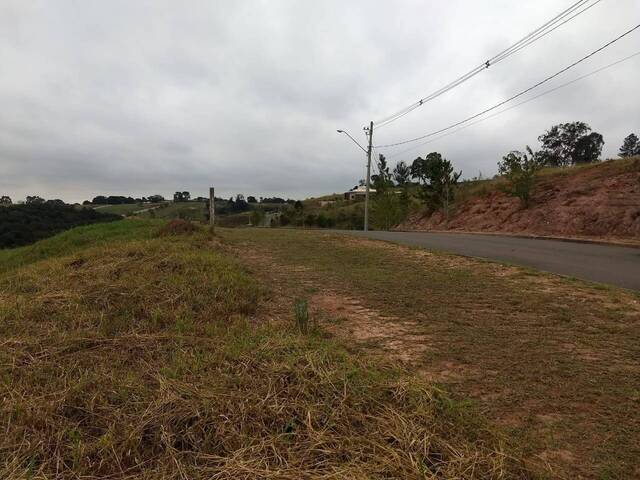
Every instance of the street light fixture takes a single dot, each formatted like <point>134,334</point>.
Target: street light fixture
<point>353,140</point>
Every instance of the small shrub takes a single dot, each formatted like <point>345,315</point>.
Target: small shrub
<point>520,170</point>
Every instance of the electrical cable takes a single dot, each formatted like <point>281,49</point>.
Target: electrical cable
<point>517,95</point>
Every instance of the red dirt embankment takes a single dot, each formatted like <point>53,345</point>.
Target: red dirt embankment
<point>594,201</point>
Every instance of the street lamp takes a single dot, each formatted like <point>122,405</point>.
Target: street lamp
<point>352,139</point>
<point>368,153</point>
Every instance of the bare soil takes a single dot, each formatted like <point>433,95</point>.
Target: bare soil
<point>599,201</point>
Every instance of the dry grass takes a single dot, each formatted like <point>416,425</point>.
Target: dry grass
<point>551,360</point>
<point>151,357</point>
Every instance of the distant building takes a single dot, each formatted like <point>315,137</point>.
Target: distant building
<point>358,193</point>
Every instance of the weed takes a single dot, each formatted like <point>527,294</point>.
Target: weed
<point>301,315</point>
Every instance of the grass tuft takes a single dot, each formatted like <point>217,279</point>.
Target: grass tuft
<point>301,315</point>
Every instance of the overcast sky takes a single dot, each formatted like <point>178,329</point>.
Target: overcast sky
<point>141,97</point>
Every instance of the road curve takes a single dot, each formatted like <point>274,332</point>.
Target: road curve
<point>611,264</point>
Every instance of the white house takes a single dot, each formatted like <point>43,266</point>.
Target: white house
<point>358,193</point>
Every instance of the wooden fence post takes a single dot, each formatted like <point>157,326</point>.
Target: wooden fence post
<point>212,207</point>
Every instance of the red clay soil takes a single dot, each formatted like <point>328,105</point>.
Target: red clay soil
<point>599,201</point>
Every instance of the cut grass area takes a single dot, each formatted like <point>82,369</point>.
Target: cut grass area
<point>125,354</point>
<point>552,360</point>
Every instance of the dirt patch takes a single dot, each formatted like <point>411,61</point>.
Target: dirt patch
<point>349,318</point>
<point>600,201</point>
<point>177,227</point>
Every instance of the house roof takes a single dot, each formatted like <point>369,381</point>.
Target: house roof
<point>362,189</point>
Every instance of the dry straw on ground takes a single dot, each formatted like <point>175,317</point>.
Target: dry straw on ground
<point>148,359</point>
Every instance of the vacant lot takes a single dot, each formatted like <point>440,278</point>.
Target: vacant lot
<point>128,351</point>
<point>552,361</point>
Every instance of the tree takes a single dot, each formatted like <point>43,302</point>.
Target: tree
<point>437,180</point>
<point>257,217</point>
<point>588,148</point>
<point>520,170</point>
<point>383,180</point>
<point>251,199</point>
<point>569,144</point>
<point>386,209</point>
<point>630,146</point>
<point>239,204</point>
<point>156,198</point>
<point>5,200</point>
<point>181,196</point>
<point>402,174</point>
<point>34,200</point>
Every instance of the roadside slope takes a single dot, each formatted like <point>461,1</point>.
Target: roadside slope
<point>600,200</point>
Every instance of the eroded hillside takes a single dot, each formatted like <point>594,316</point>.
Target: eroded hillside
<point>601,200</point>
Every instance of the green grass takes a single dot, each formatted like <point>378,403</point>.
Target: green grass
<point>126,354</point>
<point>75,240</point>
<point>194,211</point>
<point>126,209</point>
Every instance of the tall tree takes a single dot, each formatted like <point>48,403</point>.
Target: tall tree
<point>520,170</point>
<point>437,180</point>
<point>386,210</point>
<point>383,180</point>
<point>402,174</point>
<point>570,143</point>
<point>630,146</point>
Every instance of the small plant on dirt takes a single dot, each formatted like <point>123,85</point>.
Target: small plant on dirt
<point>301,315</point>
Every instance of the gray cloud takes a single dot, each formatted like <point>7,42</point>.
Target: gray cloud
<point>137,98</point>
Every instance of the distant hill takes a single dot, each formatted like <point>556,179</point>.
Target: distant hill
<point>596,200</point>
<point>25,224</point>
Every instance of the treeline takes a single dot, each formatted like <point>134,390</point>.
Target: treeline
<point>122,200</point>
<point>26,223</point>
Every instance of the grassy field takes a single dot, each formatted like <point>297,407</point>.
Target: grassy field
<point>194,211</point>
<point>130,354</point>
<point>551,361</point>
<point>127,209</point>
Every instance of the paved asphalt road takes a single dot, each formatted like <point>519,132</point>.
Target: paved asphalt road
<point>599,263</point>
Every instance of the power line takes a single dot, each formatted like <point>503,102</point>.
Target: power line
<point>546,92</point>
<point>527,40</point>
<point>527,90</point>
<point>554,28</point>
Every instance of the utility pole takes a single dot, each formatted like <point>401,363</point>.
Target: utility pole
<point>366,195</point>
